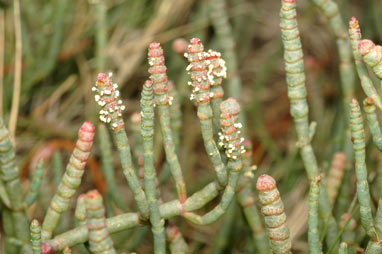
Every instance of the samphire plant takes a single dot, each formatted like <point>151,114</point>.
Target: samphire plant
<point>228,150</point>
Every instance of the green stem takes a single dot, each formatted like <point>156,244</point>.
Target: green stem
<point>162,99</point>
<point>129,220</point>
<point>111,113</point>
<point>313,233</point>
<point>36,183</point>
<point>147,132</point>
<point>223,30</point>
<point>108,168</point>
<point>372,122</point>
<point>232,143</point>
<point>335,175</point>
<point>177,243</point>
<point>99,240</point>
<point>9,174</point>
<point>363,194</point>
<point>36,236</point>
<point>201,92</point>
<point>366,82</point>
<point>274,215</point>
<point>70,181</point>
<point>330,10</point>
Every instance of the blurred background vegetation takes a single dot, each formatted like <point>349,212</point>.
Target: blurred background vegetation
<point>66,42</point>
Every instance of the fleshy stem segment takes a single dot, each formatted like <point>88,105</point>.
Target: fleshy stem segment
<point>363,193</point>
<point>108,168</point>
<point>80,212</point>
<point>295,78</point>
<point>366,82</point>
<point>330,10</point>
<point>70,181</point>
<point>36,183</point>
<point>9,174</point>
<point>129,220</point>
<point>372,122</point>
<point>36,237</point>
<point>223,29</point>
<point>177,243</point>
<point>335,175</point>
<point>232,143</point>
<point>372,56</point>
<point>99,240</point>
<point>162,100</point>
<point>246,199</point>
<point>274,216</point>
<point>313,233</point>
<point>200,77</point>
<point>175,113</point>
<point>111,113</point>
<point>147,132</point>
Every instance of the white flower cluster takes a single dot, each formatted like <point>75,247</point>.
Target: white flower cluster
<point>212,71</point>
<point>220,71</point>
<point>107,97</point>
<point>225,142</point>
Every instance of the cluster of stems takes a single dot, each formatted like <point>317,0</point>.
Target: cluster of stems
<point>228,151</point>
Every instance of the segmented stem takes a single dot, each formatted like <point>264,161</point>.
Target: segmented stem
<point>129,220</point>
<point>313,233</point>
<point>175,113</point>
<point>80,212</point>
<point>200,77</point>
<point>147,132</point>
<point>36,183</point>
<point>295,78</point>
<point>162,100</point>
<point>177,243</point>
<point>57,168</point>
<point>218,71</point>
<point>246,199</point>
<point>372,56</point>
<point>9,174</point>
<point>366,82</point>
<point>35,230</point>
<point>349,234</point>
<point>108,168</point>
<point>111,113</point>
<point>372,122</point>
<point>274,215</point>
<point>70,181</point>
<point>135,127</point>
<point>232,143</point>
<point>335,175</point>
<point>219,18</point>
<point>330,10</point>
<point>99,239</point>
<point>363,193</point>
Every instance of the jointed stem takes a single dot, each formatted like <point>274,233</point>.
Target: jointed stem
<point>147,132</point>
<point>358,138</point>
<point>111,113</point>
<point>70,181</point>
<point>162,100</point>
